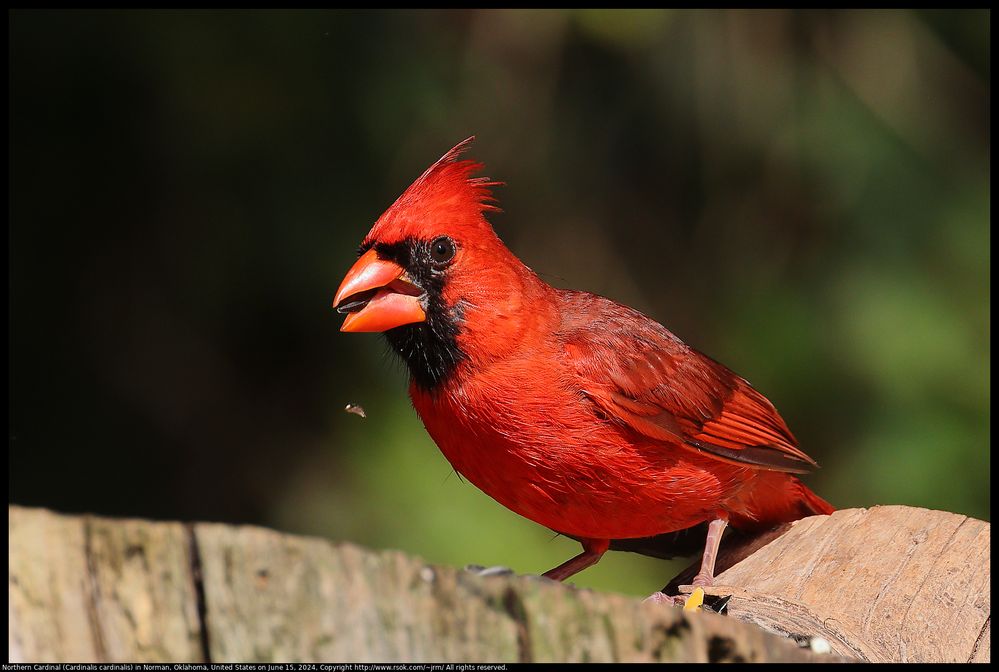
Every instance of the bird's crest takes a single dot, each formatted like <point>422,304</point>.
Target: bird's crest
<point>444,198</point>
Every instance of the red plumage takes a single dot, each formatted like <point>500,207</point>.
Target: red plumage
<point>572,410</point>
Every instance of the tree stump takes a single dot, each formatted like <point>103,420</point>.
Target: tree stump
<point>890,583</point>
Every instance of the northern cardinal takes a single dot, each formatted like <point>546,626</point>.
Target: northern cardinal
<point>572,410</point>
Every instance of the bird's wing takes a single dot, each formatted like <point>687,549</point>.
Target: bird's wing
<point>639,374</point>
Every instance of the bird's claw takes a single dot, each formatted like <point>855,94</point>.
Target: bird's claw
<point>698,600</point>
<point>496,570</point>
<point>541,578</point>
<point>663,598</point>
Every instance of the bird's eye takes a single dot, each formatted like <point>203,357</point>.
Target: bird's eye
<point>442,250</point>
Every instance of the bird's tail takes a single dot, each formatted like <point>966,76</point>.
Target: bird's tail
<point>787,499</point>
<point>810,503</point>
<point>777,498</point>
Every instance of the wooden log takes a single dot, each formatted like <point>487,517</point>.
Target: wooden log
<point>886,584</point>
<point>95,589</point>
<point>92,589</point>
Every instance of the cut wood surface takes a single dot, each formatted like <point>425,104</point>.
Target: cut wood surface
<point>890,583</point>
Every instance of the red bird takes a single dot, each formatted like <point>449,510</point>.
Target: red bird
<point>572,410</point>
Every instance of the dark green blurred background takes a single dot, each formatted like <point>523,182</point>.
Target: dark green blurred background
<point>803,196</point>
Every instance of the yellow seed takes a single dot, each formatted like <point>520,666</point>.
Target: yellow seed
<point>695,600</point>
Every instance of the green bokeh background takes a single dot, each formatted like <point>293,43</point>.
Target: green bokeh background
<point>802,195</point>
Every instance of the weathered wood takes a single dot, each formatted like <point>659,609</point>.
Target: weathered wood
<point>85,588</point>
<point>271,597</point>
<point>886,584</point>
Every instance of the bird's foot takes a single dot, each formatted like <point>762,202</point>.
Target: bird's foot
<point>496,570</point>
<point>690,602</point>
<point>663,598</point>
<point>499,570</point>
<point>698,600</point>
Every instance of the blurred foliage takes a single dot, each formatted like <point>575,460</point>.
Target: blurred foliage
<point>802,195</point>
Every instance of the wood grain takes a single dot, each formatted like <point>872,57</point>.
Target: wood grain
<point>890,583</point>
<point>87,588</point>
<point>886,584</point>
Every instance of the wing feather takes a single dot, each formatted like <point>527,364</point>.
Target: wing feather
<point>639,374</point>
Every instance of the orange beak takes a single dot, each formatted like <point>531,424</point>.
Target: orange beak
<point>378,295</point>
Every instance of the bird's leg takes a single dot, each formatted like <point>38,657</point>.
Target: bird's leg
<point>593,550</point>
<point>705,576</point>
